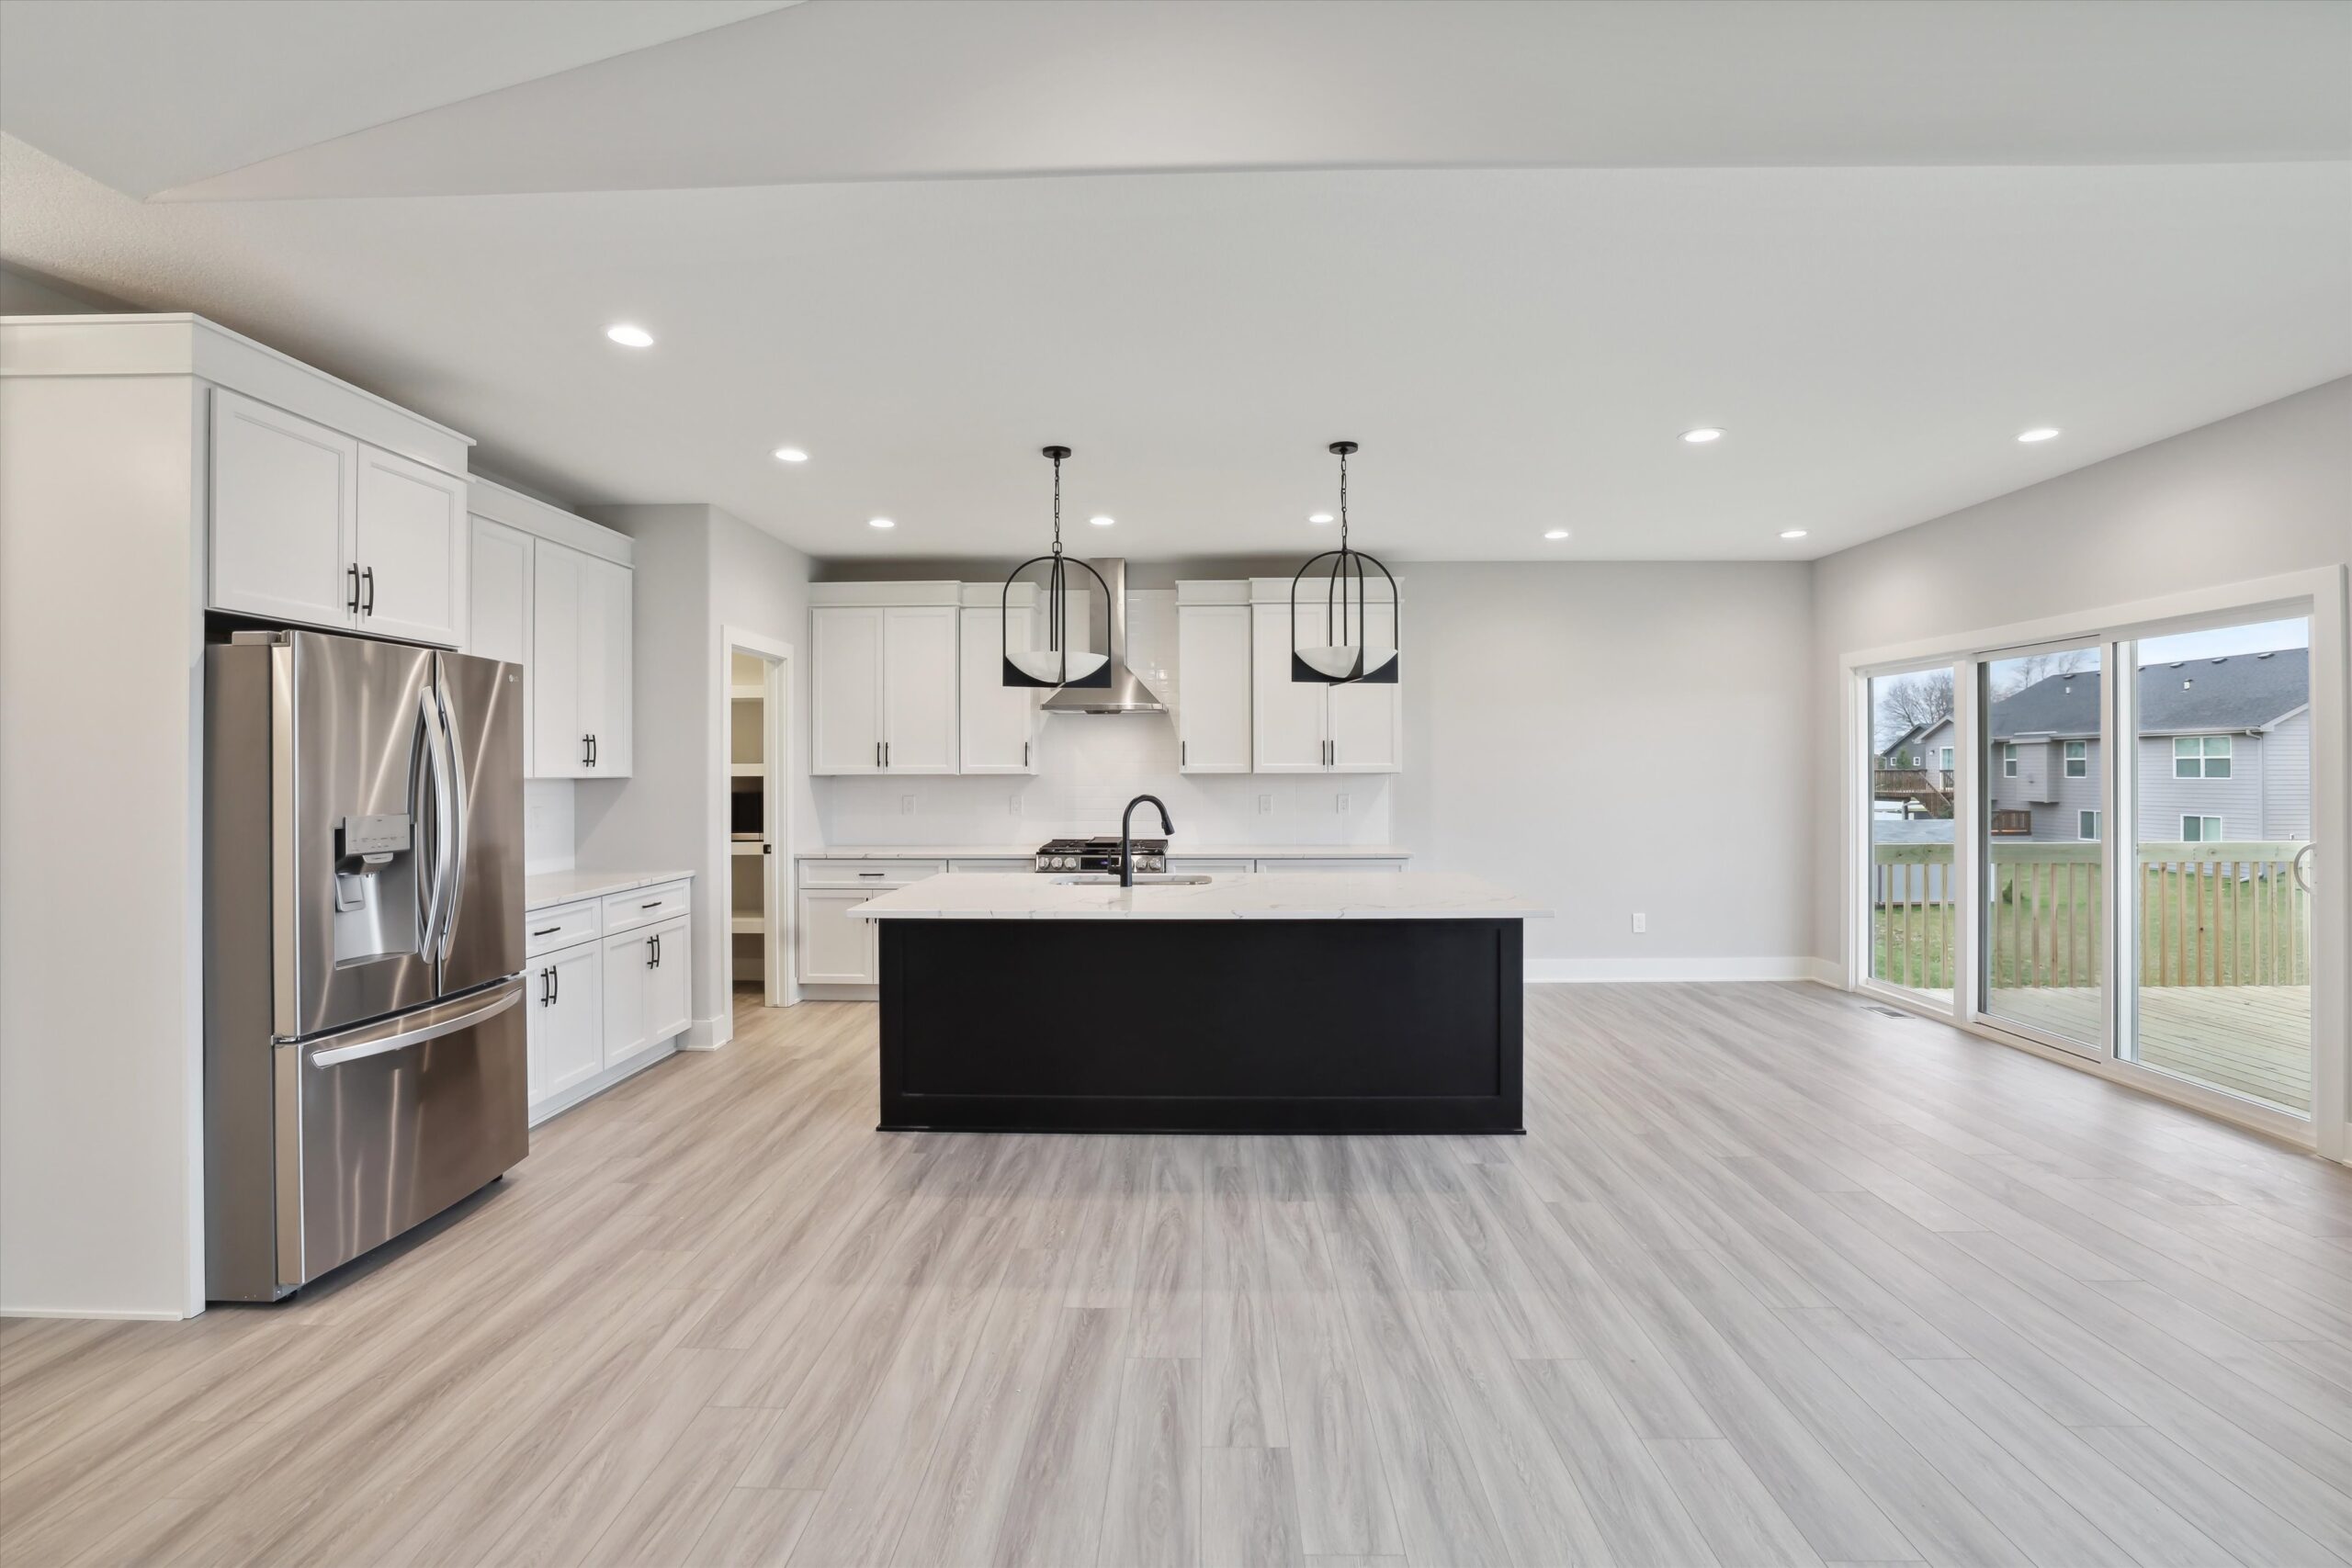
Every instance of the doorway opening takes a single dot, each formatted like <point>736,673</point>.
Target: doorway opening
<point>754,826</point>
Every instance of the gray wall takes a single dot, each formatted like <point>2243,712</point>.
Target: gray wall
<point>698,569</point>
<point>1614,738</point>
<point>2266,492</point>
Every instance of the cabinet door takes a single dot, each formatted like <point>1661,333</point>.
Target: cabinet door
<point>285,509</point>
<point>997,727</point>
<point>412,550</point>
<point>836,948</point>
<point>568,1041</point>
<point>498,619</point>
<point>629,995</point>
<point>559,738</point>
<point>919,689</point>
<point>608,666</point>
<point>846,690</point>
<point>1287,718</point>
<point>669,985</point>
<point>1367,720</point>
<point>1213,677</point>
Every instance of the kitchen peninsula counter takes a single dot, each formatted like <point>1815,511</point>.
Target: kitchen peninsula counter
<point>1374,1002</point>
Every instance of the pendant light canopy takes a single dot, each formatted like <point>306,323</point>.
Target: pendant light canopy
<point>1348,648</point>
<point>1056,664</point>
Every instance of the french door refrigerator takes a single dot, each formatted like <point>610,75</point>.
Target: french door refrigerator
<point>364,1058</point>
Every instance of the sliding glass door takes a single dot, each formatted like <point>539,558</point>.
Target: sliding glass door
<point>1913,788</point>
<point>2042,833</point>
<point>2221,875</point>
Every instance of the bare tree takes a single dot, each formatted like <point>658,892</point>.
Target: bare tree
<point>2011,676</point>
<point>1905,702</point>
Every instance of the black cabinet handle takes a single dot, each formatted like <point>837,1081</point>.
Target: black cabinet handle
<point>354,605</point>
<point>368,577</point>
<point>555,983</point>
<point>550,930</point>
<point>655,905</point>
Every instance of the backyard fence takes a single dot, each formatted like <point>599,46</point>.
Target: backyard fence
<point>2217,914</point>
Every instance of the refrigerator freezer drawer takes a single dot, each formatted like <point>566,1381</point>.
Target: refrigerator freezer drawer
<point>400,1119</point>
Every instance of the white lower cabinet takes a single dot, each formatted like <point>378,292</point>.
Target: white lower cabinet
<point>647,994</point>
<point>621,984</point>
<point>836,947</point>
<point>567,1023</point>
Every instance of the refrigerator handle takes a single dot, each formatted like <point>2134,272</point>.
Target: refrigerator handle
<point>453,825</point>
<point>435,750</point>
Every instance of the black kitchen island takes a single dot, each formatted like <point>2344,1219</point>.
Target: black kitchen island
<point>1324,1002</point>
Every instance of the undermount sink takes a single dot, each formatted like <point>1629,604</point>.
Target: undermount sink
<point>1144,879</point>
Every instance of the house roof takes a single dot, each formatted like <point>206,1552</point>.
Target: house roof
<point>2239,691</point>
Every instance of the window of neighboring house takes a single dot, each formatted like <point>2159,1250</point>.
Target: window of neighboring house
<point>1944,759</point>
<point>2086,825</point>
<point>2009,760</point>
<point>2200,757</point>
<point>2078,759</point>
<point>2200,829</point>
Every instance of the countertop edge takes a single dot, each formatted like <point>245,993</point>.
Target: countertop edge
<point>591,885</point>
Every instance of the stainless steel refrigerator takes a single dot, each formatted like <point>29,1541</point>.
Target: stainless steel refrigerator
<point>364,1058</point>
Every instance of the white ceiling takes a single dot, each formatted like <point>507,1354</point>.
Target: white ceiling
<point>2125,222</point>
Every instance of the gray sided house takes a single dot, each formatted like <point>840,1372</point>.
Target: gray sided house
<point>2224,752</point>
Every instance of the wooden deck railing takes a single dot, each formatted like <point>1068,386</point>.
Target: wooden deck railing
<point>2219,914</point>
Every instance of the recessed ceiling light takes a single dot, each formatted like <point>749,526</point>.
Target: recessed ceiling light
<point>1318,517</point>
<point>1702,435</point>
<point>790,455</point>
<point>2039,433</point>
<point>1555,532</point>
<point>1792,532</point>
<point>1100,522</point>
<point>880,522</point>
<point>628,336</point>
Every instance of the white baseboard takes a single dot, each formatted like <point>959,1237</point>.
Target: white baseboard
<point>708,1033</point>
<point>813,993</point>
<point>556,1104</point>
<point>1583,971</point>
<point>159,1315</point>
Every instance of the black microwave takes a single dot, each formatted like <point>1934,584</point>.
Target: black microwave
<point>743,816</point>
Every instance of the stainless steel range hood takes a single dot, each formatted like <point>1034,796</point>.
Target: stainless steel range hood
<point>1126,693</point>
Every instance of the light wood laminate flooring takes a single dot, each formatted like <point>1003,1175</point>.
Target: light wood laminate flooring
<point>1773,1280</point>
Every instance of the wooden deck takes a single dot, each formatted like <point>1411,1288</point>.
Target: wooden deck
<point>2249,1040</point>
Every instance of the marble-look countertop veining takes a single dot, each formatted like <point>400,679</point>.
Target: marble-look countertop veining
<point>552,888</point>
<point>1241,895</point>
<point>1176,850</point>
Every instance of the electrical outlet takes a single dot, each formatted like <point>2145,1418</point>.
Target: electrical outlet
<point>906,806</point>
<point>1012,805</point>
<point>1641,924</point>
<point>1340,805</point>
<point>1265,806</point>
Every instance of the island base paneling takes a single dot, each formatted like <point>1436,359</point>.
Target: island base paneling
<point>1201,1026</point>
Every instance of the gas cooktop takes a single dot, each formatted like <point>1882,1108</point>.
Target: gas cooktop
<point>1101,854</point>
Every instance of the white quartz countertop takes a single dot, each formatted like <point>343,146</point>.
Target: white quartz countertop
<point>1176,850</point>
<point>1241,895</point>
<point>551,887</point>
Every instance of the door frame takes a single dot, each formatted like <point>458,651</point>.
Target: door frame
<point>781,981</point>
<point>2324,595</point>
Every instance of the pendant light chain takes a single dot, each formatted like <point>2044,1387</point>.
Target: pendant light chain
<point>1344,504</point>
<point>1058,506</point>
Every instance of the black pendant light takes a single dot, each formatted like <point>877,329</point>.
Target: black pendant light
<point>1056,664</point>
<point>1348,653</point>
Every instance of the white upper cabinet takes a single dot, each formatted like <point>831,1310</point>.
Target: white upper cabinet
<point>582,704</point>
<point>313,526</point>
<point>847,689</point>
<point>1307,726</point>
<point>999,730</point>
<point>919,689</point>
<point>1212,679</point>
<point>285,515</point>
<point>884,678</point>
<point>413,545</point>
<point>498,623</point>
